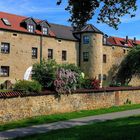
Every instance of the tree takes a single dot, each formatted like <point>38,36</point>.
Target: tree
<point>130,66</point>
<point>110,11</point>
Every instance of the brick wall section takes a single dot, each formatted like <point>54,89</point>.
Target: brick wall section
<point>24,107</point>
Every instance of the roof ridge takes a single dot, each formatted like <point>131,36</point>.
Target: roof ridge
<point>122,38</point>
<point>60,25</point>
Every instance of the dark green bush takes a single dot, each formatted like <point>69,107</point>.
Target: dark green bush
<point>27,86</point>
<point>71,67</point>
<point>45,73</point>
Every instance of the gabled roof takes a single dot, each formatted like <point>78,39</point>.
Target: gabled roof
<point>29,18</point>
<point>58,31</point>
<point>15,21</point>
<point>42,21</point>
<point>117,41</point>
<point>91,28</point>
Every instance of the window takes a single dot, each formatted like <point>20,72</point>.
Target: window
<point>50,53</point>
<point>104,77</point>
<point>85,39</point>
<point>100,77</point>
<point>64,55</point>
<point>59,41</point>
<point>4,71</point>
<point>5,47</point>
<point>104,40</point>
<point>14,34</point>
<point>124,51</point>
<point>6,22</point>
<point>85,56</point>
<point>45,30</point>
<point>34,53</point>
<point>31,28</point>
<point>104,58</point>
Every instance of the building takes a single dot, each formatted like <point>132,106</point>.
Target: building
<point>25,41</point>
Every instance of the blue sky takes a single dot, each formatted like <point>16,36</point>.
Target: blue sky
<point>48,10</point>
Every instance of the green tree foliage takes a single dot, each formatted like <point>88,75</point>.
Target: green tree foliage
<point>109,11</point>
<point>45,73</point>
<point>129,66</point>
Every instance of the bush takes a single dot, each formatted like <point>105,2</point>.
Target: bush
<point>75,69</point>
<point>27,86</point>
<point>91,84</point>
<point>45,73</point>
<point>66,81</point>
<point>6,85</point>
<point>71,67</point>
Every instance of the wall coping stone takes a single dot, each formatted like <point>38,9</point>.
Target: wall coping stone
<point>14,94</point>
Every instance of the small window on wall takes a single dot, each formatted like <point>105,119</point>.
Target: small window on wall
<point>50,53</point>
<point>64,55</point>
<point>104,77</point>
<point>124,51</point>
<point>85,39</point>
<point>34,53</point>
<point>45,30</point>
<point>4,71</point>
<point>31,28</point>
<point>5,47</point>
<point>100,77</point>
<point>104,58</point>
<point>85,56</point>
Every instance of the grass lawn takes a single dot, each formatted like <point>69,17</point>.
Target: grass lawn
<point>66,116</point>
<point>5,90</point>
<point>119,129</point>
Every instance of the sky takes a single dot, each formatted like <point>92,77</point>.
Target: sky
<point>48,10</point>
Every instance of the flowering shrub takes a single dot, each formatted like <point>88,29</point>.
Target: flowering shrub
<point>91,84</point>
<point>95,83</point>
<point>66,81</point>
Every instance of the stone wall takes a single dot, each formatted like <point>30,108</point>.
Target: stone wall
<point>24,107</point>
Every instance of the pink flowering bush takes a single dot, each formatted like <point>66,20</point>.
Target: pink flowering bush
<point>66,81</point>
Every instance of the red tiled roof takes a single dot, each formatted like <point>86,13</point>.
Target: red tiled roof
<point>15,21</point>
<point>122,41</point>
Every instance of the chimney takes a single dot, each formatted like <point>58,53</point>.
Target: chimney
<point>134,40</point>
<point>126,40</point>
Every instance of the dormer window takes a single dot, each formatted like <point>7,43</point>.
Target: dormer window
<point>29,24</point>
<point>43,26</point>
<point>31,28</point>
<point>45,30</point>
<point>6,22</point>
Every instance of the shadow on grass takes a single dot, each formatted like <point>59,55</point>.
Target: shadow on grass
<point>119,129</point>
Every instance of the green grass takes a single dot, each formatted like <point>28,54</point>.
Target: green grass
<point>66,116</point>
<point>119,129</point>
<point>5,90</point>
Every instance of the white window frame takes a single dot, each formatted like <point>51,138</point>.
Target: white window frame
<point>45,30</point>
<point>5,48</point>
<point>31,28</point>
<point>86,39</point>
<point>4,72</point>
